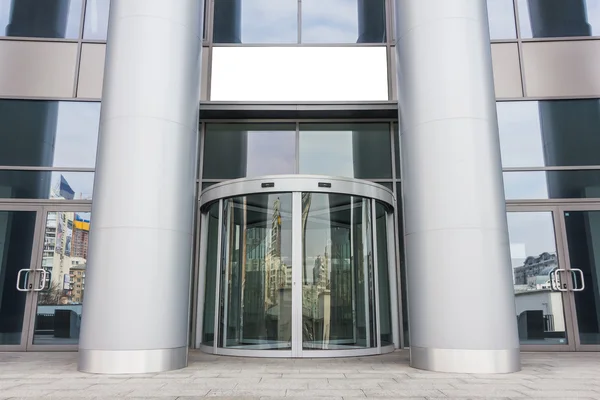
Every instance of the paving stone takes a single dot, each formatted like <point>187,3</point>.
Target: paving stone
<point>246,393</point>
<point>318,393</point>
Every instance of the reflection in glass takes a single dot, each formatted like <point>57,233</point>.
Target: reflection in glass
<point>581,227</point>
<point>582,184</point>
<point>255,21</point>
<point>247,150</point>
<point>549,133</point>
<point>49,133</point>
<point>403,290</point>
<point>501,16</point>
<point>17,229</point>
<point>212,266</point>
<point>318,73</point>
<point>58,19</point>
<point>348,150</point>
<point>539,309</point>
<point>46,185</point>
<point>343,21</point>
<point>96,19</point>
<point>338,310</point>
<point>64,258</point>
<point>558,18</point>
<point>397,149</point>
<point>256,280</point>
<point>385,313</point>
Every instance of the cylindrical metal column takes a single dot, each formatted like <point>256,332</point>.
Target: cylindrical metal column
<point>135,316</point>
<point>461,303</point>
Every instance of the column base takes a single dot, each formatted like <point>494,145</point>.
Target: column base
<point>132,361</point>
<point>466,361</point>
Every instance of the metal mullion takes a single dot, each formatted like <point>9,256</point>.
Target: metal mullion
<point>520,47</point>
<point>49,98</point>
<point>49,169</point>
<point>200,279</point>
<point>365,268</point>
<point>395,299</point>
<point>37,39</point>
<point>79,48</point>
<point>27,335</point>
<point>376,275</point>
<point>400,258</point>
<point>297,244</point>
<point>393,149</point>
<point>299,22</point>
<point>568,298</point>
<point>297,149</point>
<point>219,266</point>
<point>553,168</point>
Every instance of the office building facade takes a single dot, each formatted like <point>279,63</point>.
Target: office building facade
<point>299,178</point>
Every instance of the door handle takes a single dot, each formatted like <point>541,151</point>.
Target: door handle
<point>579,289</point>
<point>44,277</point>
<point>26,288</point>
<point>556,283</point>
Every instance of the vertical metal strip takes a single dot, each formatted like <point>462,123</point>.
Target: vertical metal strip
<point>365,262</point>
<point>519,47</point>
<point>353,271</point>
<point>228,215</point>
<point>201,278</point>
<point>392,272</point>
<point>218,277</point>
<point>297,244</point>
<point>376,274</point>
<point>79,48</point>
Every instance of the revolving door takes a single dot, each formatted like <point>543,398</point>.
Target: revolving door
<point>297,266</point>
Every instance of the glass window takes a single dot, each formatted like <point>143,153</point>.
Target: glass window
<point>299,74</point>
<point>383,276</point>
<point>549,133</point>
<point>245,150</point>
<point>349,150</point>
<point>48,133</point>
<point>255,21</point>
<point>46,185</point>
<point>552,185</point>
<point>556,18</point>
<point>343,21</point>
<point>501,16</point>
<point>60,19</point>
<point>96,19</point>
<point>397,150</point>
<point>212,235</point>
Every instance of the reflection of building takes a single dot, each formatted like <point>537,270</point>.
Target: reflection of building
<point>535,270</point>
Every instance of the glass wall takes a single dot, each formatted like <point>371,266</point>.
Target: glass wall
<point>48,149</point>
<point>549,148</point>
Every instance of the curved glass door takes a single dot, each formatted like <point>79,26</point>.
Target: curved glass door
<point>338,301</point>
<point>297,274</point>
<point>256,281</point>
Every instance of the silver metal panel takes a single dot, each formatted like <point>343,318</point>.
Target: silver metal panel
<point>507,70</point>
<point>297,246</point>
<point>125,361</point>
<point>297,183</point>
<point>465,361</point>
<point>91,71</point>
<point>201,285</point>
<point>376,273</point>
<point>37,69</point>
<point>558,68</point>
<point>456,231</point>
<point>392,272</point>
<point>144,194</point>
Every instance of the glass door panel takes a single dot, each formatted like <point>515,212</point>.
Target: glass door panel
<point>582,230</point>
<point>256,281</point>
<point>17,236</point>
<point>534,258</point>
<point>338,296</point>
<point>64,259</point>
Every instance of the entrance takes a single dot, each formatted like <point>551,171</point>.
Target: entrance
<point>555,251</point>
<point>297,266</point>
<point>43,252</point>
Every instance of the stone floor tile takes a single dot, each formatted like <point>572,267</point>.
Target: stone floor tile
<point>401,394</point>
<point>246,393</point>
<point>561,394</point>
<point>490,392</point>
<point>318,393</point>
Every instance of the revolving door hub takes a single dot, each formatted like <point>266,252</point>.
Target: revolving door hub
<point>297,266</point>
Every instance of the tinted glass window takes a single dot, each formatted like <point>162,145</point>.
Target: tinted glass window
<point>343,21</point>
<point>549,133</point>
<point>96,19</point>
<point>348,150</point>
<point>46,185</point>
<point>501,16</point>
<point>48,133</point>
<point>255,21</point>
<point>34,18</point>
<point>245,150</point>
<point>556,18</point>
<point>552,185</point>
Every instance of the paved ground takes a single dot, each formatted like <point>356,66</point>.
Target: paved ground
<point>54,375</point>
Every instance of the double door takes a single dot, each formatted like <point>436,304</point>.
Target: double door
<point>555,254</point>
<point>43,253</point>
